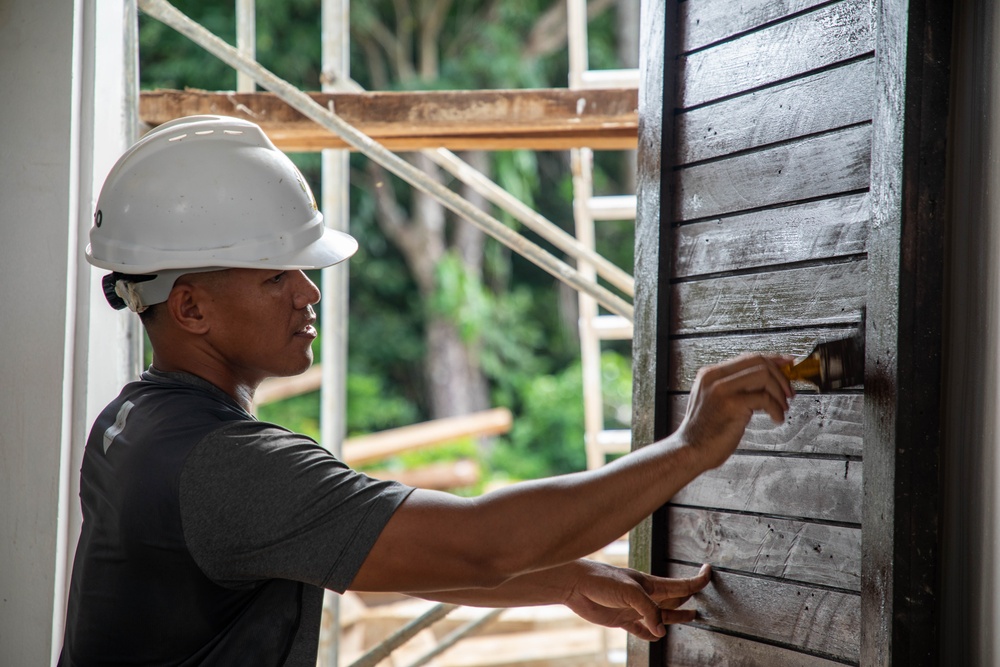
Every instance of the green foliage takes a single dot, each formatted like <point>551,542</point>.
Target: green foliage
<point>371,406</point>
<point>511,317</point>
<point>461,298</point>
<point>299,413</point>
<point>170,60</point>
<point>548,435</point>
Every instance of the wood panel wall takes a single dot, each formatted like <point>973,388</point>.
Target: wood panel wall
<point>768,222</point>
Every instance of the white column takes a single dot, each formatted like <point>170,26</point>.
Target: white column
<point>61,68</point>
<point>971,564</point>
<point>336,211</point>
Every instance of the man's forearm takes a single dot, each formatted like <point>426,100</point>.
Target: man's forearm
<point>542,587</point>
<point>436,541</point>
<point>552,521</point>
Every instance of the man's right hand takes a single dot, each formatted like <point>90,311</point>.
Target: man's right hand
<point>723,400</point>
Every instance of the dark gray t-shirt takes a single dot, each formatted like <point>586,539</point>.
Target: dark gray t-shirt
<point>208,536</point>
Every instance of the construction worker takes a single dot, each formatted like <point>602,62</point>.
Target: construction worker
<point>209,536</point>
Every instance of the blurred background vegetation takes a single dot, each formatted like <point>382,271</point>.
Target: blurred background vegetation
<point>444,321</point>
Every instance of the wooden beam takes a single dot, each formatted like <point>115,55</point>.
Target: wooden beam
<point>438,476</point>
<point>540,119</point>
<point>377,446</point>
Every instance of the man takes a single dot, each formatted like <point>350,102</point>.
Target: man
<point>208,536</point>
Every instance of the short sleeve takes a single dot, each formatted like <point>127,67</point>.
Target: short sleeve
<point>260,502</point>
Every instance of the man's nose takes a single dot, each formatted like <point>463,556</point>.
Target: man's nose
<point>306,292</point>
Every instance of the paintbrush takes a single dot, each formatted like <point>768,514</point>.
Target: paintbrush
<point>833,364</point>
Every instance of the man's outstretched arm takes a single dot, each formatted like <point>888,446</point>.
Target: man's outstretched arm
<point>437,541</point>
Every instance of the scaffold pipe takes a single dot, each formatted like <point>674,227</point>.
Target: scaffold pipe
<point>168,14</point>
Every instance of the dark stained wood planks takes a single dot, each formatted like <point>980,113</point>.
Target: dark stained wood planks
<point>827,424</point>
<point>768,212</point>
<point>816,230</point>
<point>807,42</point>
<point>821,621</point>
<point>689,646</point>
<point>653,197</point>
<point>708,22</point>
<point>789,486</point>
<point>811,553</point>
<point>818,166</point>
<point>911,165</point>
<point>687,355</point>
<point>813,295</point>
<point>821,102</point>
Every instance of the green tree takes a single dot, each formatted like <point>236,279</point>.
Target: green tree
<point>443,320</point>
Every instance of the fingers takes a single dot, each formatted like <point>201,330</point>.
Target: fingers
<point>671,616</point>
<point>650,612</point>
<point>665,595</point>
<point>756,380</point>
<point>667,617</point>
<point>663,589</point>
<point>658,601</point>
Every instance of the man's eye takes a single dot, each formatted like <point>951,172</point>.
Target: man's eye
<point>277,279</point>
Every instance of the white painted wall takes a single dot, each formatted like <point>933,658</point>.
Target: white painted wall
<point>971,582</point>
<point>61,128</point>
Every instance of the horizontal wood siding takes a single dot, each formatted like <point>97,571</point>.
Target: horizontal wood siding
<point>769,228</point>
<point>818,620</point>
<point>811,105</point>
<point>826,424</point>
<point>810,553</point>
<point>817,230</point>
<point>690,646</point>
<point>708,22</point>
<point>818,166</point>
<point>802,44</point>
<point>812,295</point>
<point>826,489</point>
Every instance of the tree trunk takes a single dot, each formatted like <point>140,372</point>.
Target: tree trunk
<point>455,383</point>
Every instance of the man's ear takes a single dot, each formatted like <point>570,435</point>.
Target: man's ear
<point>185,305</point>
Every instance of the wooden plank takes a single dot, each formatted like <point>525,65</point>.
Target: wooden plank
<point>687,355</point>
<point>378,446</point>
<point>829,424</point>
<point>820,229</point>
<point>817,620</point>
<point>654,157</point>
<point>708,21</point>
<point>799,551</point>
<point>902,555</point>
<point>689,646</point>
<point>819,103</point>
<point>279,388</point>
<point>808,42</point>
<point>546,119</point>
<point>439,476</point>
<point>822,489</point>
<point>819,166</point>
<point>815,295</point>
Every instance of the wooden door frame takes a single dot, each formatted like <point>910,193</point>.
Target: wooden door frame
<point>902,509</point>
<point>902,505</point>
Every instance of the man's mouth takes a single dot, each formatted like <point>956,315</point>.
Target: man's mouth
<point>308,330</point>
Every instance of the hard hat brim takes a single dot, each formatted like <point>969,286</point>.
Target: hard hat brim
<point>332,247</point>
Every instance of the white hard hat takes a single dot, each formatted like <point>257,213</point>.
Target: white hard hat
<point>204,193</point>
